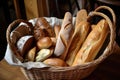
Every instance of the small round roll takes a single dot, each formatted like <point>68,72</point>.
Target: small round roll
<point>44,43</point>
<point>55,62</point>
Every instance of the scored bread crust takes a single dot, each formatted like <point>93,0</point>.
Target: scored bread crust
<point>82,28</point>
<point>80,34</point>
<point>92,44</point>
<point>64,37</point>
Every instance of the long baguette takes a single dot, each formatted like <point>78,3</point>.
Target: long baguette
<point>81,30</point>
<point>64,37</point>
<point>92,44</point>
<point>81,16</point>
<point>80,34</point>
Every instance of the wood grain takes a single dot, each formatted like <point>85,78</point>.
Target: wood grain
<point>9,72</point>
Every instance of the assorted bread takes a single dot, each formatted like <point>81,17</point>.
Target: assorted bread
<point>64,45</point>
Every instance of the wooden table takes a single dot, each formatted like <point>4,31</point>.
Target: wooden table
<point>9,72</point>
<point>107,70</point>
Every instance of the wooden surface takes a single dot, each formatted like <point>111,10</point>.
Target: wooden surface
<point>8,72</point>
<point>107,70</point>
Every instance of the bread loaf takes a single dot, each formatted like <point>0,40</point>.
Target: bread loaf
<point>80,34</point>
<point>24,44</point>
<point>64,37</point>
<point>55,62</point>
<point>81,16</point>
<point>43,29</point>
<point>81,30</point>
<point>92,44</point>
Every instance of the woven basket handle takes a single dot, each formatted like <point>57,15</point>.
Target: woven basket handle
<point>113,17</point>
<point>9,30</point>
<point>110,10</point>
<point>112,30</point>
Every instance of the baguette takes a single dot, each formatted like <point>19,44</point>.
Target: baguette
<point>92,44</point>
<point>81,16</point>
<point>57,30</point>
<point>81,30</point>
<point>80,34</point>
<point>64,37</point>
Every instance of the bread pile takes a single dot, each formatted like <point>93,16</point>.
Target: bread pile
<point>67,44</point>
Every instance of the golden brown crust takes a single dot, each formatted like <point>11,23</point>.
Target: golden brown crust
<point>44,43</point>
<point>57,30</point>
<point>31,54</point>
<point>81,30</point>
<point>92,44</point>
<point>80,34</point>
<point>81,16</point>
<point>55,62</point>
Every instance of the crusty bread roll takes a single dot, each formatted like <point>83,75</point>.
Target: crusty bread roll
<point>80,34</point>
<point>31,54</point>
<point>92,44</point>
<point>43,54</point>
<point>43,24</point>
<point>55,62</point>
<point>64,37</point>
<point>44,43</point>
<point>38,34</point>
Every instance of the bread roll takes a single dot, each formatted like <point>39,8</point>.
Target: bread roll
<point>43,24</point>
<point>38,34</point>
<point>44,43</point>
<point>55,62</point>
<point>43,54</point>
<point>80,34</point>
<point>64,37</point>
<point>92,44</point>
<point>31,54</point>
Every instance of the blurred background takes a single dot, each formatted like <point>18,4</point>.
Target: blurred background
<point>11,10</point>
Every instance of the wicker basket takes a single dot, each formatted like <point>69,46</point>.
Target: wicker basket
<point>69,73</point>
